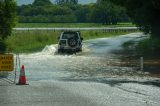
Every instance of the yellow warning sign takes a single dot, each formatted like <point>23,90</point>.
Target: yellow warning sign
<point>6,62</point>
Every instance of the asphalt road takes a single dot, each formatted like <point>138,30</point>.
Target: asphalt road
<point>60,93</point>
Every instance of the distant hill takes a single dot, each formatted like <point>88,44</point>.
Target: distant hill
<point>20,2</point>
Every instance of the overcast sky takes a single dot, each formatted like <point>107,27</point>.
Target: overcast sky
<point>20,2</point>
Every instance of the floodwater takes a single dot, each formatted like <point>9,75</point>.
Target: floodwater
<point>94,77</point>
<point>97,61</point>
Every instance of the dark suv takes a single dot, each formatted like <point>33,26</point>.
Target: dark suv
<point>70,42</point>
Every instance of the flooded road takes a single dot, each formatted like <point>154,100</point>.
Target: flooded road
<point>91,78</point>
<point>96,61</point>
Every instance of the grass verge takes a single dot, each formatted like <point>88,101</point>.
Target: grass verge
<point>149,47</point>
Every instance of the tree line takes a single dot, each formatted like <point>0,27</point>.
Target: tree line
<point>43,11</point>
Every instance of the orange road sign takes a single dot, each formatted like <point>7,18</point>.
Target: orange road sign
<point>6,62</point>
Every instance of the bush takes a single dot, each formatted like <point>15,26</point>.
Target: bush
<point>2,46</point>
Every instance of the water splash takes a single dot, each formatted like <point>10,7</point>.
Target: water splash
<point>50,49</point>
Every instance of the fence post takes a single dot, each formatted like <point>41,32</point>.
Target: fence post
<point>141,63</point>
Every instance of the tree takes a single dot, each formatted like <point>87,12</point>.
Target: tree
<point>42,2</point>
<point>7,17</point>
<point>7,20</point>
<point>67,1</point>
<point>81,13</point>
<point>106,12</point>
<point>144,13</point>
<point>45,14</point>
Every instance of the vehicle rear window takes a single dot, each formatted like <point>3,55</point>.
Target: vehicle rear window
<point>69,35</point>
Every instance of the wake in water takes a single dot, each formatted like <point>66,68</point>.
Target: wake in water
<point>53,50</point>
<point>50,49</point>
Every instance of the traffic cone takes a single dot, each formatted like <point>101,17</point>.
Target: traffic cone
<point>22,77</point>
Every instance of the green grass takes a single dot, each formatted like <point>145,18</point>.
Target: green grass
<point>30,41</point>
<point>34,41</point>
<point>68,25</point>
<point>149,47</point>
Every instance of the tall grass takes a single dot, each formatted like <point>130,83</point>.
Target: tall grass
<point>36,40</point>
<point>149,47</point>
<point>30,41</point>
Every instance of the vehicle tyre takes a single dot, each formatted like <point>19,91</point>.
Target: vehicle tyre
<point>72,42</point>
<point>80,50</point>
<point>59,51</point>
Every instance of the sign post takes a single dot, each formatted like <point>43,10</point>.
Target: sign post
<point>6,62</point>
<point>141,63</point>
